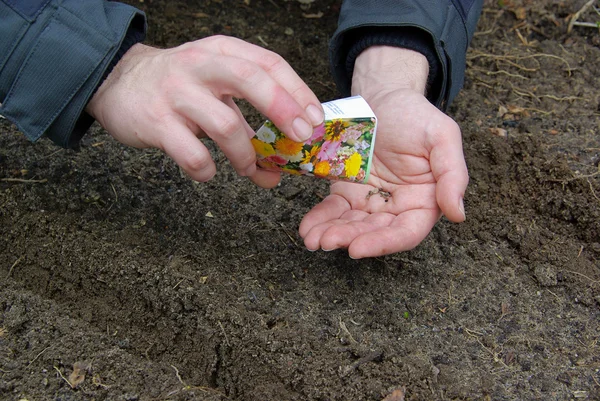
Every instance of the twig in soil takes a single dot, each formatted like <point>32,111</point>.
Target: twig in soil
<point>576,16</point>
<point>187,387</point>
<point>64,378</point>
<point>224,333</point>
<point>473,333</point>
<point>525,93</point>
<point>115,192</point>
<point>495,355</point>
<point>592,281</point>
<point>262,41</point>
<point>178,375</point>
<point>592,189</point>
<point>288,234</point>
<point>347,332</point>
<point>179,282</point>
<point>52,154</point>
<point>507,58</point>
<point>37,356</point>
<point>14,265</point>
<point>503,72</point>
<point>588,24</point>
<point>22,180</point>
<point>577,177</point>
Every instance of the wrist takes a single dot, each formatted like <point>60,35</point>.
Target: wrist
<point>384,68</point>
<point>94,106</point>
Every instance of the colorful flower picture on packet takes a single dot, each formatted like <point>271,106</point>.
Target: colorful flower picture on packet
<point>339,149</point>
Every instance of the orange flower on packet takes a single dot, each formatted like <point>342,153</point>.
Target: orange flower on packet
<point>339,149</point>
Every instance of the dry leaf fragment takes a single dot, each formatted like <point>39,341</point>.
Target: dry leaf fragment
<point>209,214</point>
<point>501,132</point>
<point>505,308</point>
<point>518,110</point>
<point>520,13</point>
<point>396,395</point>
<point>501,111</point>
<point>316,15</point>
<point>77,376</point>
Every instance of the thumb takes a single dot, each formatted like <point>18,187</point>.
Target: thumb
<point>450,171</point>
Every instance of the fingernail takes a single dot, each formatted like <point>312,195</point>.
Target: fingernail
<point>302,129</point>
<point>315,114</point>
<point>461,207</point>
<point>327,250</point>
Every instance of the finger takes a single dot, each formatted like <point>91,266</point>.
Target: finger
<point>265,179</point>
<point>278,69</point>
<point>312,240</point>
<point>249,131</point>
<point>336,233</point>
<point>450,171</point>
<point>341,236</point>
<point>188,152</point>
<point>243,79</point>
<point>262,178</point>
<point>331,208</point>
<point>405,233</point>
<point>221,124</point>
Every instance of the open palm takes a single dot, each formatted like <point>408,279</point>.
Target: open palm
<point>418,173</point>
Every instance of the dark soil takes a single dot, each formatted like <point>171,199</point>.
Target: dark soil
<point>170,289</point>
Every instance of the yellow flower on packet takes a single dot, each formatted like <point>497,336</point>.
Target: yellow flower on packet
<point>339,149</point>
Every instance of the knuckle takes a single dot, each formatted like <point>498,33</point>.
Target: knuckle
<point>186,54</point>
<point>228,127</point>
<point>245,161</point>
<point>245,71</point>
<point>219,40</point>
<point>273,61</point>
<point>196,162</point>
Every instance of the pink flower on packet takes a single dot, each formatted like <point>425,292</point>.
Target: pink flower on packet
<point>329,150</point>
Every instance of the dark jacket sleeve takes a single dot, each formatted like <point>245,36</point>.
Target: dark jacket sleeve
<point>53,56</point>
<point>439,29</point>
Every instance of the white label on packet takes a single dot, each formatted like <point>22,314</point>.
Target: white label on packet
<point>351,107</point>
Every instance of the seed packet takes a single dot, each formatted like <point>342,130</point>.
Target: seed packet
<point>339,149</point>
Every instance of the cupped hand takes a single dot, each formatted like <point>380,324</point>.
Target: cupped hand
<point>418,160</point>
<point>168,98</point>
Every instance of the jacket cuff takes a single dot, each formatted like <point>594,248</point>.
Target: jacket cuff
<point>405,37</point>
<point>65,63</point>
<point>84,122</point>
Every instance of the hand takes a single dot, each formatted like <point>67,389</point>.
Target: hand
<point>168,98</point>
<point>418,160</point>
